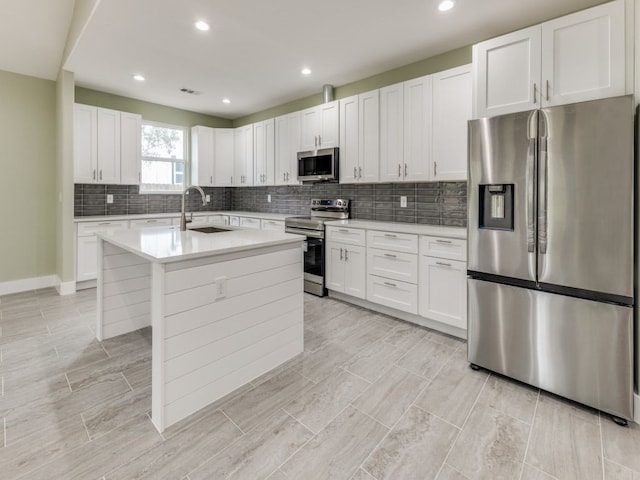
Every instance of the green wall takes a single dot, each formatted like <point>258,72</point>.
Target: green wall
<point>444,61</point>
<point>149,111</point>
<point>28,177</point>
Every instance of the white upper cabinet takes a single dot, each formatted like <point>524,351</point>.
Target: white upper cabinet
<point>223,159</point>
<point>417,129</point>
<point>583,55</point>
<point>451,112</point>
<point>243,155</point>
<point>287,145</point>
<point>202,158</point>
<point>108,146</point>
<point>264,152</point>
<point>130,148</point>
<point>360,138</point>
<point>574,58</point>
<point>320,126</point>
<point>391,132</point>
<point>85,143</point>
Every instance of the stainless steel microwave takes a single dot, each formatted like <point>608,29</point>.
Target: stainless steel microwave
<point>319,166</point>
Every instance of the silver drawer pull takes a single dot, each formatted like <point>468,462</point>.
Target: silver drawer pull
<point>105,223</point>
<point>443,264</point>
<point>390,235</point>
<point>389,284</point>
<point>390,255</point>
<point>443,241</point>
<point>343,230</point>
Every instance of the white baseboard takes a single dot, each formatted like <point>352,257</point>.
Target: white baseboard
<point>26,284</point>
<point>636,408</point>
<point>65,288</point>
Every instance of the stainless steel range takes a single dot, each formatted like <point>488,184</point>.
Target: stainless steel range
<point>313,228</point>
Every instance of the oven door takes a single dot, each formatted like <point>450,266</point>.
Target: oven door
<point>314,266</point>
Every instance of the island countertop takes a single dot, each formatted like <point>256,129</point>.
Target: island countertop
<point>169,244</point>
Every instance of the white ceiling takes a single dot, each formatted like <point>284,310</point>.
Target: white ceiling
<point>255,49</point>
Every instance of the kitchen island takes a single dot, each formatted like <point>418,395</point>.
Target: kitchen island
<point>224,307</point>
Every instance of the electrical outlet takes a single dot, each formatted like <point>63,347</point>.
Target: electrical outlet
<point>109,198</point>
<point>207,198</point>
<point>403,202</point>
<point>221,287</point>
<point>269,198</point>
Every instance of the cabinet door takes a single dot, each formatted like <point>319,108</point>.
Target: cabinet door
<point>243,153</point>
<point>349,140</point>
<point>108,146</point>
<point>130,148</point>
<point>223,160</point>
<point>249,222</point>
<point>507,73</point>
<point>443,291</point>
<point>335,266</point>
<point>328,125</point>
<point>391,132</point>
<point>355,271</point>
<point>287,145</point>
<point>451,112</point>
<point>417,129</point>
<point>583,55</point>
<point>369,136</point>
<point>86,258</point>
<point>264,152</point>
<point>85,144</point>
<point>309,126</point>
<point>202,149</point>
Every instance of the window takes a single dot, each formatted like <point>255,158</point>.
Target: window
<point>164,150</point>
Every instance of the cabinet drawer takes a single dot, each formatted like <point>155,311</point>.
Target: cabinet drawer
<point>90,228</point>
<point>273,225</point>
<point>450,248</point>
<point>150,222</point>
<point>398,242</point>
<point>352,236</point>
<point>248,222</point>
<point>219,219</point>
<point>394,265</point>
<point>393,293</point>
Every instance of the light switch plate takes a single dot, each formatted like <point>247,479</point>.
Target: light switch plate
<point>221,287</point>
<point>207,198</point>
<point>109,198</point>
<point>269,198</point>
<point>403,202</point>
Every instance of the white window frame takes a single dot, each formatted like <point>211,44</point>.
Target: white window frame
<point>152,188</point>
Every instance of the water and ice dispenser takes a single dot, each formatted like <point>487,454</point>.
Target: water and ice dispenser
<point>496,206</point>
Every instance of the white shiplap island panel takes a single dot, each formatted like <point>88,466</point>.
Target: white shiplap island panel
<point>219,318</point>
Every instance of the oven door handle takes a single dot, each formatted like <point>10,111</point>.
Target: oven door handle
<point>307,233</point>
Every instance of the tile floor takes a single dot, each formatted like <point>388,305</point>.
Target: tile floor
<point>370,398</point>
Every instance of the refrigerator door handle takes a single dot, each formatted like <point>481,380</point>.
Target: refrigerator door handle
<point>542,186</point>
<point>531,182</point>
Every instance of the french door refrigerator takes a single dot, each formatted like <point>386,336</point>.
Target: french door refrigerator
<point>551,252</point>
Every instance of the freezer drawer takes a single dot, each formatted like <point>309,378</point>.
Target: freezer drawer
<point>579,349</point>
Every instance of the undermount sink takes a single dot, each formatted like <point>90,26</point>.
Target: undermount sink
<point>210,229</point>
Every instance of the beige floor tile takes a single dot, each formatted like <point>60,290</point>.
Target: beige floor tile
<point>415,448</point>
<point>318,405</point>
<point>491,446</point>
<point>563,444</point>
<point>389,397</point>
<point>338,450</point>
<point>362,475</point>
<point>455,380</point>
<point>372,361</point>
<point>426,358</point>
<point>277,475</point>
<point>139,374</point>
<point>449,473</point>
<point>614,471</point>
<point>448,340</point>
<point>258,453</point>
<point>323,362</point>
<point>405,336</point>
<point>621,444</point>
<point>252,407</point>
<point>531,473</point>
<point>511,397</point>
<point>82,376</point>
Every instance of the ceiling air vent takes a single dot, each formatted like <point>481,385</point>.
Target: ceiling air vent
<point>189,91</point>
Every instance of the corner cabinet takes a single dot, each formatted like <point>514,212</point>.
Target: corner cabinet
<point>287,145</point>
<point>574,58</point>
<point>319,127</point>
<point>202,156</point>
<point>130,148</point>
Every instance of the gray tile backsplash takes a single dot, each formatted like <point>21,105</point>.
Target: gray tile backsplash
<point>434,203</point>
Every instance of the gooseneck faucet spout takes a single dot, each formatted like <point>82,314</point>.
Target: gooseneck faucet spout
<point>183,217</point>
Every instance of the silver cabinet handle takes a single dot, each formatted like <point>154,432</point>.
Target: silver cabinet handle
<point>341,254</point>
<point>534,93</point>
<point>100,175</point>
<point>319,140</point>
<point>405,169</point>
<point>355,175</point>
<point>231,181</point>
<point>443,264</point>
<point>287,176</point>
<point>284,177</point>
<point>154,221</point>
<point>346,254</point>
<point>547,90</point>
<point>343,230</point>
<point>435,169</point>
<point>443,241</point>
<point>94,175</point>
<point>390,255</point>
<point>211,180</point>
<point>389,284</point>
<point>105,223</point>
<point>359,172</point>
<point>399,170</point>
<point>391,235</point>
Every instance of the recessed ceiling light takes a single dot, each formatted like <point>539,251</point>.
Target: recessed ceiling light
<point>226,100</point>
<point>306,71</point>
<point>446,5</point>
<point>202,25</point>
<point>138,77</point>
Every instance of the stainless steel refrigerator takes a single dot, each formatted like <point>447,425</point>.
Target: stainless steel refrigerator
<point>551,250</point>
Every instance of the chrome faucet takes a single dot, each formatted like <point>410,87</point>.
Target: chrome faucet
<point>183,217</point>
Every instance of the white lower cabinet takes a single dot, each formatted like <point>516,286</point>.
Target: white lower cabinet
<point>393,293</point>
<point>346,269</point>
<point>277,225</point>
<point>249,222</point>
<point>151,222</point>
<point>87,246</point>
<point>443,294</point>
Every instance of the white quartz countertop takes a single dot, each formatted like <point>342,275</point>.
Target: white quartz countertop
<point>104,218</point>
<point>169,244</point>
<point>396,227</point>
